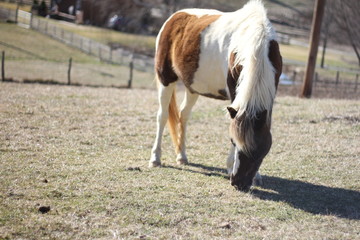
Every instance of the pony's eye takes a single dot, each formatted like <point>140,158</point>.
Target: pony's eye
<point>232,142</point>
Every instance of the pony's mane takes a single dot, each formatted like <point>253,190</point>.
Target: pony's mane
<point>256,84</point>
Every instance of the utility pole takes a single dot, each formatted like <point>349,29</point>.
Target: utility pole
<point>314,43</point>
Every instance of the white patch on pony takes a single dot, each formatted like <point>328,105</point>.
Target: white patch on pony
<point>256,84</point>
<point>230,160</point>
<point>236,164</point>
<point>210,77</point>
<point>246,33</point>
<point>200,12</point>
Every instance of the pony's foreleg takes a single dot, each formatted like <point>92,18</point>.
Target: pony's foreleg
<point>165,93</point>
<point>185,111</point>
<point>257,181</point>
<point>230,160</point>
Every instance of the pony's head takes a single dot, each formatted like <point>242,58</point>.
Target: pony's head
<point>252,140</point>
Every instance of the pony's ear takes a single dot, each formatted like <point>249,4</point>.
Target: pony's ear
<point>232,112</point>
<point>260,119</point>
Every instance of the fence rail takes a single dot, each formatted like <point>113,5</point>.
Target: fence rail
<point>102,51</point>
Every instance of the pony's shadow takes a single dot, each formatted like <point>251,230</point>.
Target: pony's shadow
<point>315,199</point>
<point>311,198</point>
<point>203,169</point>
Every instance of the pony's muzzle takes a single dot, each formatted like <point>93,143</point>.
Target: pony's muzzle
<point>243,186</point>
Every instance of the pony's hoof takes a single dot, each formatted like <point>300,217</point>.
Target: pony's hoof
<point>257,181</point>
<point>154,164</point>
<point>182,161</point>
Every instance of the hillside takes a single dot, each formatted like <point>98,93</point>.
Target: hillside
<point>32,56</point>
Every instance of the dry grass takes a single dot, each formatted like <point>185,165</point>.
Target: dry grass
<point>83,152</point>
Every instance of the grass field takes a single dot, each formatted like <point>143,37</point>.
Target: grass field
<point>73,165</point>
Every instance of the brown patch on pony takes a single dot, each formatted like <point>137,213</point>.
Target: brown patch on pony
<point>275,59</point>
<point>233,76</point>
<point>246,131</point>
<point>222,94</point>
<point>178,50</point>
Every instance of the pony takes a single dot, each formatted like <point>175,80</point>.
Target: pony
<point>224,55</point>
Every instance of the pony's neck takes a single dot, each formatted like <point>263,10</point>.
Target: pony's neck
<point>256,84</point>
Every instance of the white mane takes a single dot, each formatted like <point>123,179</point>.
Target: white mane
<point>256,84</point>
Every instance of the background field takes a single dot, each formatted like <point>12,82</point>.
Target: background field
<point>83,152</point>
<point>32,56</point>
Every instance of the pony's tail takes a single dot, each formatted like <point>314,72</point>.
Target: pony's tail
<point>173,121</point>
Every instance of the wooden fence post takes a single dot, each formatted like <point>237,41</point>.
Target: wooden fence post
<point>89,46</point>
<point>337,77</point>
<point>62,35</point>
<point>356,82</point>
<point>72,39</point>
<point>17,13</point>
<point>69,71</point>
<point>294,75</point>
<point>3,66</point>
<point>110,55</point>
<point>131,65</point>
<point>31,20</point>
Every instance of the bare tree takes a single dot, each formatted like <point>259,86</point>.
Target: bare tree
<point>325,31</point>
<point>346,15</point>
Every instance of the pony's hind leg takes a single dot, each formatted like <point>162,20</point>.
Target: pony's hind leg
<point>165,94</point>
<point>185,112</point>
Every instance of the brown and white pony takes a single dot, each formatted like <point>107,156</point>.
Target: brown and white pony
<point>231,55</point>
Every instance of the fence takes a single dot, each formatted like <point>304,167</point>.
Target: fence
<point>323,84</point>
<point>103,52</point>
<point>330,83</point>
